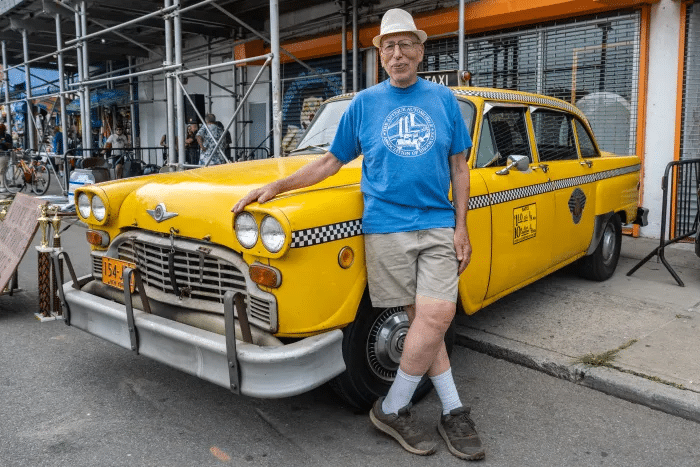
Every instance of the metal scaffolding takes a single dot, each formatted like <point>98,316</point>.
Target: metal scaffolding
<point>218,25</point>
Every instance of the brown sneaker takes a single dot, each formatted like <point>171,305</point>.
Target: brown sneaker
<point>402,428</point>
<point>459,432</point>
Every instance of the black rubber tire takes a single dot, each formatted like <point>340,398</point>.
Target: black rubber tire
<point>601,265</point>
<point>13,179</point>
<point>367,376</point>
<point>41,179</point>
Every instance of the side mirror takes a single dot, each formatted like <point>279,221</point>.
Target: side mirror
<point>521,163</point>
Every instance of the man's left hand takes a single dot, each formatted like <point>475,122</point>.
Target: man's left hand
<point>463,247</point>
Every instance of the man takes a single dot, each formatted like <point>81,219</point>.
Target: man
<point>5,146</point>
<point>208,136</point>
<point>414,142</point>
<point>114,146</point>
<point>191,144</point>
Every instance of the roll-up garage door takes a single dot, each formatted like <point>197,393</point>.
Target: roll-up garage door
<point>591,62</point>
<point>686,202</point>
<point>302,93</point>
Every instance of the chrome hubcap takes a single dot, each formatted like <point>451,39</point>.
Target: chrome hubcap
<point>608,243</point>
<point>385,342</point>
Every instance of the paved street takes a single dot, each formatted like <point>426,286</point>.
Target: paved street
<point>72,399</point>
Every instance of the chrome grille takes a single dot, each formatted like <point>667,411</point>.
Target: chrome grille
<point>202,282</point>
<point>216,276</point>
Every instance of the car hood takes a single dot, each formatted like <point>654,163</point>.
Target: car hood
<point>198,202</point>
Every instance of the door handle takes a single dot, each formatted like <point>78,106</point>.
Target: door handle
<point>586,162</point>
<point>543,167</point>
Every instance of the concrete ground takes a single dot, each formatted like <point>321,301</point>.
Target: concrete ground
<point>635,337</point>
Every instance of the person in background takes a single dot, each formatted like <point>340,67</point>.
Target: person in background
<point>192,145</point>
<point>57,141</point>
<point>226,143</point>
<point>114,147</point>
<point>5,146</point>
<point>207,137</point>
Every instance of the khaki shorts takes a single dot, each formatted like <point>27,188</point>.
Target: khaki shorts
<point>405,264</point>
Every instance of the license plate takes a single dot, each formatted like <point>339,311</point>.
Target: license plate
<point>113,271</point>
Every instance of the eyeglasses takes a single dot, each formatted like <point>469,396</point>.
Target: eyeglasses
<point>405,46</point>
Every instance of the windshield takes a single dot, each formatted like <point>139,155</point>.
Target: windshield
<point>322,129</point>
<point>324,125</point>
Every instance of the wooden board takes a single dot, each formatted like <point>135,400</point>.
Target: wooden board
<point>16,233</point>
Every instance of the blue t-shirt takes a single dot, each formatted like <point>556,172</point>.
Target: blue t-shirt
<point>406,136</point>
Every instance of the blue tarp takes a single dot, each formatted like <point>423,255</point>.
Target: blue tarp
<point>43,81</point>
<point>105,97</point>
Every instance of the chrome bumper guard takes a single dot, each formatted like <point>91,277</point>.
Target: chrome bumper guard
<point>244,368</point>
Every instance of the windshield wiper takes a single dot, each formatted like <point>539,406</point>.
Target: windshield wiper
<point>319,147</point>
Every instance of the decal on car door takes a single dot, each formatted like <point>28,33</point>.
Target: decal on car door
<point>524,222</point>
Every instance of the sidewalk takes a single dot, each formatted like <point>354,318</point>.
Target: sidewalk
<point>645,329</point>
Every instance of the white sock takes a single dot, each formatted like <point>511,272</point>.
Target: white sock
<point>447,391</point>
<point>400,392</point>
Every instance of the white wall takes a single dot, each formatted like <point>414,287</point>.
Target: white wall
<point>659,145</point>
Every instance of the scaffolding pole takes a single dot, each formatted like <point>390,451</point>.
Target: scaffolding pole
<point>8,112</point>
<point>62,99</point>
<point>276,85</point>
<point>28,92</point>
<point>86,118</point>
<point>179,99</point>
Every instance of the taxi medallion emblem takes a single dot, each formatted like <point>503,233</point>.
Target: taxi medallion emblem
<point>577,202</point>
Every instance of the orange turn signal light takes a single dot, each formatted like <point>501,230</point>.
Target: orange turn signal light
<point>267,276</point>
<point>97,237</point>
<point>346,257</point>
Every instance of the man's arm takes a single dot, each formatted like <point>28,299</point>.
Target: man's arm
<point>459,175</point>
<point>312,173</point>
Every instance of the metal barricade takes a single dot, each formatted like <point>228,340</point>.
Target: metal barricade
<point>685,175</point>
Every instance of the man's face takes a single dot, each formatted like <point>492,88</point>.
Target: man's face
<point>401,62</point>
<point>120,131</point>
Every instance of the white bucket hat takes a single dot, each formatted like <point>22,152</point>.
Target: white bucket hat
<point>397,20</point>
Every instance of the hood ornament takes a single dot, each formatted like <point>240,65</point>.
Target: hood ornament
<point>160,213</point>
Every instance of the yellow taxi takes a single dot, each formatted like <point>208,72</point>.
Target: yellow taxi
<point>273,302</point>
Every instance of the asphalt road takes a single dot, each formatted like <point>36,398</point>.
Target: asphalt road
<point>71,399</point>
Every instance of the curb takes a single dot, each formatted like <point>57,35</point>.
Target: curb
<point>658,396</point>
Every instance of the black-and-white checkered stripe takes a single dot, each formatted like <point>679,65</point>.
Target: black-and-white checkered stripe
<point>328,233</point>
<point>526,98</point>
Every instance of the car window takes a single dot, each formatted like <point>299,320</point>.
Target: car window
<point>467,109</point>
<point>322,128</point>
<point>554,136</point>
<point>585,142</point>
<point>503,134</point>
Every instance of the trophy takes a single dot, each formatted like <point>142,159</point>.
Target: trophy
<point>44,224</point>
<point>56,224</point>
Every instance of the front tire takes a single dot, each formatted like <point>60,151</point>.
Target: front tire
<point>601,265</point>
<point>372,347</point>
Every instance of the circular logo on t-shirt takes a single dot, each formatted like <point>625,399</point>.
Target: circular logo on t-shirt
<point>408,132</point>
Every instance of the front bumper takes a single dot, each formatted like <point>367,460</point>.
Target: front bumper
<point>265,371</point>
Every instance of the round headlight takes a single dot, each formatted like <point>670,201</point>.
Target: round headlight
<point>272,234</point>
<point>98,208</point>
<point>84,205</point>
<point>246,229</point>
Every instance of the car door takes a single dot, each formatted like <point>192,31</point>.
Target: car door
<point>572,181</point>
<point>522,204</point>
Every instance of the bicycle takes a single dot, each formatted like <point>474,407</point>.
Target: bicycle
<point>33,171</point>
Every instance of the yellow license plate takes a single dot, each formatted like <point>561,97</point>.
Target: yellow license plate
<point>113,271</point>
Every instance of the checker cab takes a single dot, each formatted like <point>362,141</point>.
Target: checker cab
<point>273,302</point>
